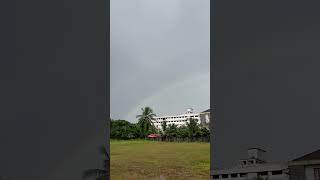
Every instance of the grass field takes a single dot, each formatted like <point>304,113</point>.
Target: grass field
<point>140,159</point>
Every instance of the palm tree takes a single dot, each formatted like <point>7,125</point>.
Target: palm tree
<point>100,174</point>
<point>146,121</point>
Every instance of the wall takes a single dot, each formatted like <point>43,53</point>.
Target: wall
<point>310,172</point>
<point>297,172</point>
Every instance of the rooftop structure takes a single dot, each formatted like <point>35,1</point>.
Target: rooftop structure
<point>153,135</point>
<point>306,167</point>
<point>253,166</point>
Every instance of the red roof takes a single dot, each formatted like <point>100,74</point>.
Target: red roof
<point>153,135</point>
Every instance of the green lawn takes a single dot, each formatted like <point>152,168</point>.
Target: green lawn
<point>140,159</point>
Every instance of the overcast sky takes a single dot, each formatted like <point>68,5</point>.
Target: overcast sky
<point>160,56</point>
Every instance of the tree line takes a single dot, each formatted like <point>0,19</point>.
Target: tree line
<point>122,129</point>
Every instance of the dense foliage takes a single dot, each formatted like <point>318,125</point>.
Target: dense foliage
<point>122,129</point>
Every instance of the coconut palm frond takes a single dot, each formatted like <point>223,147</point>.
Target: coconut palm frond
<point>152,115</point>
<point>146,121</point>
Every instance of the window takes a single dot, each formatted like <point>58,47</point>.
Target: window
<point>224,175</point>
<point>234,175</point>
<point>215,176</point>
<point>276,172</point>
<point>316,173</point>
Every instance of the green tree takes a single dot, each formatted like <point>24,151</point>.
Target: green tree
<point>137,131</point>
<point>204,131</point>
<point>193,128</point>
<point>164,127</point>
<point>100,174</point>
<point>182,132</point>
<point>122,129</point>
<point>145,122</point>
<point>171,130</point>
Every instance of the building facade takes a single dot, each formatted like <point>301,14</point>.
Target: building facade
<point>205,118</point>
<point>304,168</point>
<point>253,166</point>
<point>202,118</point>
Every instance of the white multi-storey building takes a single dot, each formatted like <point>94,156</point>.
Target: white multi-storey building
<point>178,120</point>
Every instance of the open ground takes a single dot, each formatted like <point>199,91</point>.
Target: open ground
<point>143,159</point>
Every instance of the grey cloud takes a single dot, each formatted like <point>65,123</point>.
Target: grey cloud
<point>155,44</point>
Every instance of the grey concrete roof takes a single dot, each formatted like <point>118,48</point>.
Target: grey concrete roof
<point>315,155</point>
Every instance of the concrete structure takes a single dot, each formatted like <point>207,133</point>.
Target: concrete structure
<point>252,167</point>
<point>205,118</point>
<point>306,167</point>
<point>182,119</point>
